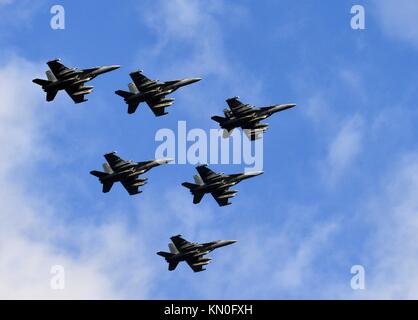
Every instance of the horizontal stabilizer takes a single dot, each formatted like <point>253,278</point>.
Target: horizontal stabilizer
<point>50,95</point>
<point>98,174</point>
<point>172,265</point>
<point>107,186</point>
<point>132,107</point>
<point>41,82</point>
<point>165,254</point>
<point>218,119</point>
<point>189,185</point>
<point>124,94</point>
<point>197,198</point>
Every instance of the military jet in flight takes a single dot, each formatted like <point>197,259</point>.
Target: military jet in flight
<point>192,253</point>
<point>247,117</point>
<point>216,184</point>
<point>71,80</point>
<point>153,92</point>
<point>125,172</point>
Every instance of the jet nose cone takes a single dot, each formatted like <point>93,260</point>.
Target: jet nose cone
<point>290,105</point>
<point>254,173</point>
<point>164,161</point>
<point>282,107</point>
<point>223,243</point>
<point>192,80</point>
<point>108,68</point>
<point>114,67</point>
<point>228,242</point>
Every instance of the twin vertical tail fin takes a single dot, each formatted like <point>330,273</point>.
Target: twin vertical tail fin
<point>167,255</point>
<point>226,133</point>
<point>172,248</point>
<point>50,94</point>
<point>132,106</point>
<point>197,197</point>
<point>221,120</point>
<point>107,168</point>
<point>51,77</point>
<point>106,185</point>
<point>132,88</point>
<point>198,180</point>
<point>44,83</point>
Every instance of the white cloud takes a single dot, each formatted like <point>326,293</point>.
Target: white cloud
<point>391,252</point>
<point>317,110</point>
<point>398,18</point>
<point>271,262</point>
<point>112,259</point>
<point>190,42</point>
<point>194,25</point>
<point>33,234</point>
<point>344,148</point>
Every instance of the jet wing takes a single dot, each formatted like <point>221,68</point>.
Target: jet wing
<point>237,107</point>
<point>193,261</point>
<point>221,201</point>
<point>56,67</point>
<point>77,93</point>
<point>128,185</point>
<point>206,173</point>
<point>114,160</point>
<point>253,134</point>
<point>180,243</point>
<point>158,105</point>
<point>141,81</point>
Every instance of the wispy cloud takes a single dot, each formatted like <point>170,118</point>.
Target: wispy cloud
<point>391,252</point>
<point>34,234</point>
<point>190,41</point>
<point>398,19</point>
<point>344,148</point>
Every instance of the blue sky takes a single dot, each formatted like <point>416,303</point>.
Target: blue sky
<point>341,169</point>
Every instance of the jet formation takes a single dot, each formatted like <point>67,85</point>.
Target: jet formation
<point>126,172</point>
<point>153,92</point>
<point>247,117</point>
<point>217,184</point>
<point>192,253</point>
<point>71,80</point>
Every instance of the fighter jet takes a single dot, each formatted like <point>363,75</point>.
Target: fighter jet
<point>71,80</point>
<point>153,92</point>
<point>125,172</point>
<point>192,253</point>
<point>216,184</point>
<point>247,117</point>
